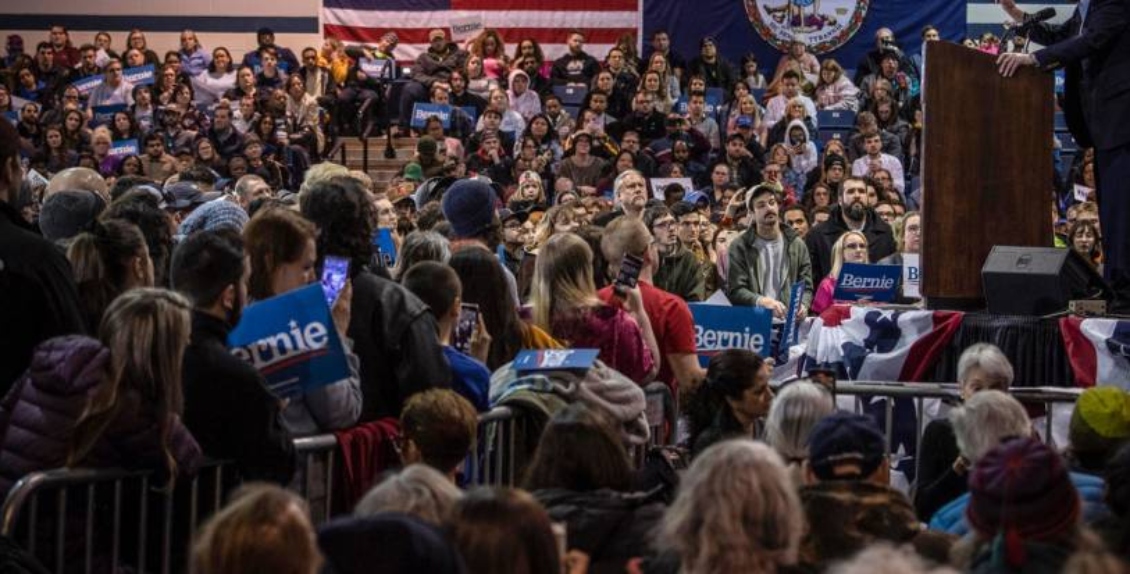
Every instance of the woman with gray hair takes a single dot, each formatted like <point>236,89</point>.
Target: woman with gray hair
<point>418,490</point>
<point>983,422</point>
<point>795,411</point>
<point>737,511</point>
<point>941,475</point>
<point>422,246</point>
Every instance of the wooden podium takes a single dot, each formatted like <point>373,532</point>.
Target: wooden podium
<point>986,168</point>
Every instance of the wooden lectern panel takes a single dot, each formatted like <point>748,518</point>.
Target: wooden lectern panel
<point>987,174</point>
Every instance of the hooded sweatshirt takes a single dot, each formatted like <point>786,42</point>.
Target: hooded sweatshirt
<point>807,161</point>
<point>528,104</point>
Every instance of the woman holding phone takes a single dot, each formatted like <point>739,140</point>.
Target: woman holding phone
<point>282,248</point>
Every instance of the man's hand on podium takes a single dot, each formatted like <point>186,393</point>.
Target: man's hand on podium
<point>1009,62</point>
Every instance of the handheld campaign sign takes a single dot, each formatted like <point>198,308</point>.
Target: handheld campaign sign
<point>421,113</point>
<point>290,339</point>
<point>140,76</point>
<point>659,185</point>
<point>863,282</point>
<point>540,361</point>
<point>385,247</point>
<point>789,334</point>
<point>105,114</point>
<point>465,27</point>
<point>122,148</point>
<point>87,84</point>
<point>911,276</point>
<point>377,68</point>
<point>713,101</point>
<point>720,327</point>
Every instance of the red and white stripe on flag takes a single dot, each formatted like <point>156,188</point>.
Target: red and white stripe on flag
<point>1091,346</point>
<point>546,21</point>
<point>881,345</point>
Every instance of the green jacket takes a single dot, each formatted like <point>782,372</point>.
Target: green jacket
<point>743,277</point>
<point>680,274</point>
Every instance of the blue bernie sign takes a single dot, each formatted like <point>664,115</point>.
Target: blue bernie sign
<point>863,282</point>
<point>421,113</point>
<point>140,75</point>
<point>291,340</point>
<point>536,361</point>
<point>720,327</point>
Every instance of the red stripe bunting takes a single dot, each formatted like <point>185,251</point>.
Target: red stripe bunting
<point>571,6</point>
<point>511,35</point>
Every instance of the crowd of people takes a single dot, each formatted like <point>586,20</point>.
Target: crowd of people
<point>124,273</point>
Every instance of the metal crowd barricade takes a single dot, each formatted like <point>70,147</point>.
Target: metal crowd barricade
<point>314,479</point>
<point>1049,397</point>
<point>501,448</point>
<point>149,527</point>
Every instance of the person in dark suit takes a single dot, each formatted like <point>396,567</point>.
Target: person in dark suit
<point>1094,48</point>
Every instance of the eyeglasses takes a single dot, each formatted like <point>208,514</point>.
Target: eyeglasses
<point>663,224</point>
<point>856,246</point>
<point>913,229</point>
<point>115,69</point>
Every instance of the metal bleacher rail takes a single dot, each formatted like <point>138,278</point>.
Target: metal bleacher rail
<point>920,393</point>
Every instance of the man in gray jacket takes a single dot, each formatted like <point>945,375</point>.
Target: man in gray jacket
<point>768,258</point>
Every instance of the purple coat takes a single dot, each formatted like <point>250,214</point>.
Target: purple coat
<point>38,417</point>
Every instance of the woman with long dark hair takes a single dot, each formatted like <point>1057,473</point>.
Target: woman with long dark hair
<point>109,260</point>
<point>730,401</point>
<point>484,284</point>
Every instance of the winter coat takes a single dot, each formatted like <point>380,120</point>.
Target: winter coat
<point>846,516</point>
<point>39,294</point>
<point>611,527</point>
<point>394,335</point>
<point>743,278</point>
<point>951,517</point>
<point>431,67</point>
<point>228,408</point>
<point>38,417</point>
<point>880,240</point>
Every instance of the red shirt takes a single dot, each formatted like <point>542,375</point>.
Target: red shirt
<point>671,322</point>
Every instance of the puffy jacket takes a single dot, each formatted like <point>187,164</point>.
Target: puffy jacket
<point>743,278</point>
<point>951,517</point>
<point>38,417</point>
<point>611,527</point>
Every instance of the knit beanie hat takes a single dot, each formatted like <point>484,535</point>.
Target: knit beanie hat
<point>1021,491</point>
<point>469,206</point>
<point>1101,420</point>
<point>65,214</point>
<point>427,146</point>
<point>843,438</point>
<point>834,159</point>
<point>529,176</point>
<point>214,215</point>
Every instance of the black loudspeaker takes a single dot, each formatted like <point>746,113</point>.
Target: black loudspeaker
<point>1038,280</point>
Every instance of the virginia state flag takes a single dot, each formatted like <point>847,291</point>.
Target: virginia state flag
<point>1099,350</point>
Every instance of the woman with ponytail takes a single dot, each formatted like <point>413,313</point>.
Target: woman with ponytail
<point>728,403</point>
<point>114,401</point>
<point>108,260</point>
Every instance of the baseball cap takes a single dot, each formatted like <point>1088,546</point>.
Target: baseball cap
<point>845,438</point>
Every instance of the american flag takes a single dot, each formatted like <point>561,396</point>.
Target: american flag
<point>547,21</point>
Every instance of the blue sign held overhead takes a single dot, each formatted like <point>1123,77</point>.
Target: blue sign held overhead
<point>122,148</point>
<point>103,115</point>
<point>87,84</point>
<point>720,327</point>
<point>140,76</point>
<point>863,282</point>
<point>421,113</point>
<point>291,340</point>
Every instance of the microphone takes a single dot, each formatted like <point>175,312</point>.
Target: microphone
<point>1041,16</point>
